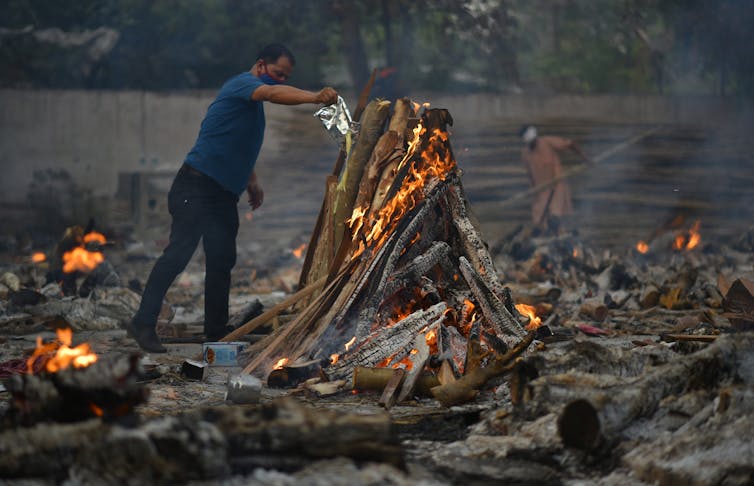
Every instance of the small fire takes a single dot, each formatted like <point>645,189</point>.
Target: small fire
<point>281,363</point>
<point>642,247</point>
<point>80,259</point>
<point>530,312</point>
<point>38,257</point>
<point>299,252</point>
<point>688,240</point>
<point>334,358</point>
<point>59,355</point>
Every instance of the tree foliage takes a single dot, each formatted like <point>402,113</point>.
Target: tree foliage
<point>641,46</point>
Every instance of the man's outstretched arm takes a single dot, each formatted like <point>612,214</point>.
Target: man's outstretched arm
<point>288,95</point>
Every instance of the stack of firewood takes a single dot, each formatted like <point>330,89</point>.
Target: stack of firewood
<point>396,270</point>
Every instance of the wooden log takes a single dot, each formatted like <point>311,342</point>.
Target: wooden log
<point>274,311</point>
<point>594,309</point>
<point>293,332</point>
<point>204,445</point>
<point>474,247</point>
<point>325,212</point>
<point>107,388</point>
<point>418,360</point>
<point>389,149</point>
<point>375,115</point>
<point>323,252</point>
<point>466,388</point>
<point>375,379</point>
<point>292,375</point>
<point>593,421</point>
<point>385,342</point>
<point>492,307</point>
<point>398,124</point>
<point>437,254</point>
<point>390,393</point>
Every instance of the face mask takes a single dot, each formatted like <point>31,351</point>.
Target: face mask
<point>267,79</point>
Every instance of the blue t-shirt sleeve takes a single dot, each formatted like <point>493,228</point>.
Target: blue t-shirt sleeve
<point>244,86</point>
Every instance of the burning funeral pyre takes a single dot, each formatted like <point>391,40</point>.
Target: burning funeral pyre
<point>411,286</point>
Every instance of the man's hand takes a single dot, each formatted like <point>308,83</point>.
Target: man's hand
<point>255,192</point>
<point>327,96</point>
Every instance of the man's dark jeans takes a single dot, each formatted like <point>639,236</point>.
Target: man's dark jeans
<point>201,209</point>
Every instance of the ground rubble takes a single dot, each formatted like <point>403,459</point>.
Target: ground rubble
<point>693,430</point>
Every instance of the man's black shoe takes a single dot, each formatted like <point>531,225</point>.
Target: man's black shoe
<point>146,338</point>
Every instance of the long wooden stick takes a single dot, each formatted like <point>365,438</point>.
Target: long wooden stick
<point>277,309</point>
<point>578,169</point>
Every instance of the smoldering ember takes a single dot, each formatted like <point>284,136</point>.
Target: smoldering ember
<point>394,343</point>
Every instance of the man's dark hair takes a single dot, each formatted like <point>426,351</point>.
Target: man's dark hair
<point>272,52</point>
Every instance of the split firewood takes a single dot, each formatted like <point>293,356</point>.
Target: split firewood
<point>650,296</point>
<point>376,379</point>
<point>398,124</point>
<point>386,341</point>
<point>389,148</point>
<point>492,307</point>
<point>418,361</point>
<point>466,388</point>
<point>437,254</point>
<point>323,251</point>
<point>375,115</point>
<point>390,394</point>
<point>593,421</point>
<point>446,374</point>
<point>324,219</point>
<point>474,353</point>
<point>474,248</point>
<point>738,304</point>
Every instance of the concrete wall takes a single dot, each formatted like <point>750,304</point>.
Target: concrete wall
<point>97,134</point>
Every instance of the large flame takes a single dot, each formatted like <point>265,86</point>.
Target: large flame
<point>434,162</point>
<point>59,354</point>
<point>530,312</point>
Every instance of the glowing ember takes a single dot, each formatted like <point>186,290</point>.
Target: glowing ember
<point>642,247</point>
<point>299,252</point>
<point>59,355</point>
<point>38,257</point>
<point>530,312</point>
<point>281,362</point>
<point>334,358</point>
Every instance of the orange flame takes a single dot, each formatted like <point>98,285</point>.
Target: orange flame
<point>280,364</point>
<point>334,358</point>
<point>434,162</point>
<point>299,252</point>
<point>38,257</point>
<point>530,312</point>
<point>59,354</point>
<point>688,240</point>
<point>642,247</point>
<point>82,260</point>
<point>95,237</point>
<point>350,343</point>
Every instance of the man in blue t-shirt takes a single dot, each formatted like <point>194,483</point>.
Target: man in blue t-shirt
<point>203,198</point>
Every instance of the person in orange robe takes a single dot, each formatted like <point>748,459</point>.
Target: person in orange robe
<point>540,155</point>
